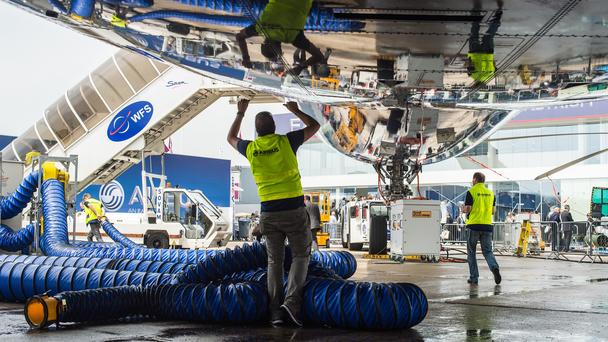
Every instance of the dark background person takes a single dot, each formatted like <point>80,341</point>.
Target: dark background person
<point>314,215</point>
<point>94,211</point>
<point>554,220</point>
<point>480,62</point>
<point>274,165</point>
<point>565,218</point>
<point>480,205</point>
<point>282,21</point>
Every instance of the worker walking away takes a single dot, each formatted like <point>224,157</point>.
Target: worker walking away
<point>554,221</point>
<point>283,215</point>
<point>480,206</point>
<point>94,211</point>
<point>314,216</point>
<point>281,21</point>
<point>480,62</point>
<point>565,218</point>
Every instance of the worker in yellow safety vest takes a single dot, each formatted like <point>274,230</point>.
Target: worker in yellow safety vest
<point>281,21</point>
<point>480,61</point>
<point>480,205</point>
<point>283,215</point>
<point>94,212</point>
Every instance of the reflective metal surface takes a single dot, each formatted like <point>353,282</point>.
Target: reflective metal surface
<point>369,48</point>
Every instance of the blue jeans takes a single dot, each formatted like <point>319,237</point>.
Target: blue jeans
<point>486,249</point>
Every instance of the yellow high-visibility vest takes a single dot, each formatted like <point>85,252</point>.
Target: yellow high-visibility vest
<point>483,204</point>
<point>98,205</point>
<point>274,167</point>
<point>483,63</point>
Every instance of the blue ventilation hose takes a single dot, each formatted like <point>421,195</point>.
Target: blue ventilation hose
<point>111,264</point>
<point>226,262</point>
<point>117,236</point>
<point>227,302</point>
<point>15,241</point>
<point>341,262</point>
<point>82,8</point>
<point>362,305</point>
<point>355,305</point>
<point>13,204</point>
<point>19,281</point>
<point>130,3</point>
<point>54,240</point>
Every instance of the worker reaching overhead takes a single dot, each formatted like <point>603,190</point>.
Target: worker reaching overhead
<point>480,63</point>
<point>283,215</point>
<point>94,211</point>
<point>281,21</point>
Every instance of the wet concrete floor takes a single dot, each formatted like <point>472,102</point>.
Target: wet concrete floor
<point>538,300</point>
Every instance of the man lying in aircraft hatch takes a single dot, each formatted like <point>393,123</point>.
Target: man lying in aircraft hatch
<point>282,21</point>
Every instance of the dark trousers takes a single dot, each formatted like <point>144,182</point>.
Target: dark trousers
<point>94,227</point>
<point>565,243</point>
<point>292,225</point>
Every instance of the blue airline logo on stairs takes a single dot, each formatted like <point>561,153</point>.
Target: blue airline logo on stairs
<point>130,120</point>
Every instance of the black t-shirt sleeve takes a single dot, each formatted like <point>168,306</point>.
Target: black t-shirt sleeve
<point>241,146</point>
<point>296,139</point>
<point>469,199</point>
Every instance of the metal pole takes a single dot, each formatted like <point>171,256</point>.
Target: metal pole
<point>38,203</point>
<point>74,160</point>
<point>144,187</point>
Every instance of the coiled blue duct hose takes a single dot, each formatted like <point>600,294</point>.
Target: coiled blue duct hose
<point>355,305</point>
<point>19,281</point>
<point>15,241</point>
<point>117,236</point>
<point>319,19</point>
<point>82,8</point>
<point>362,305</point>
<point>111,264</point>
<point>341,262</point>
<point>14,204</point>
<point>227,302</point>
<point>226,262</point>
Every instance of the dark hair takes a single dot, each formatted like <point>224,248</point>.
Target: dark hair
<point>479,177</point>
<point>307,197</point>
<point>264,123</point>
<point>271,49</point>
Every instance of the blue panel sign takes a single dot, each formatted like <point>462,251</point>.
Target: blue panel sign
<point>125,195</point>
<point>130,120</point>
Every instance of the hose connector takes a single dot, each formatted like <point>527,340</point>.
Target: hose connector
<point>41,311</point>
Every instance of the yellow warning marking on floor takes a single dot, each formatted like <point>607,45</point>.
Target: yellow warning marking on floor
<point>376,256</point>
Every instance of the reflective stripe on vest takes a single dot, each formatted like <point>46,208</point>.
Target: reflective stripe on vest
<point>483,65</point>
<point>274,167</point>
<point>483,203</point>
<point>282,20</point>
<point>90,213</point>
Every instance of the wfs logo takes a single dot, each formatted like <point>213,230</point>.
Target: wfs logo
<point>112,195</point>
<point>130,121</point>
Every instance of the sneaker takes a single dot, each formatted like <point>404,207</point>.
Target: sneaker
<point>293,316</point>
<point>497,277</point>
<point>472,282</point>
<point>277,318</point>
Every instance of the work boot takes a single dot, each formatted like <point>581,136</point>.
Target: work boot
<point>472,282</point>
<point>293,316</point>
<point>277,318</point>
<point>497,277</point>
